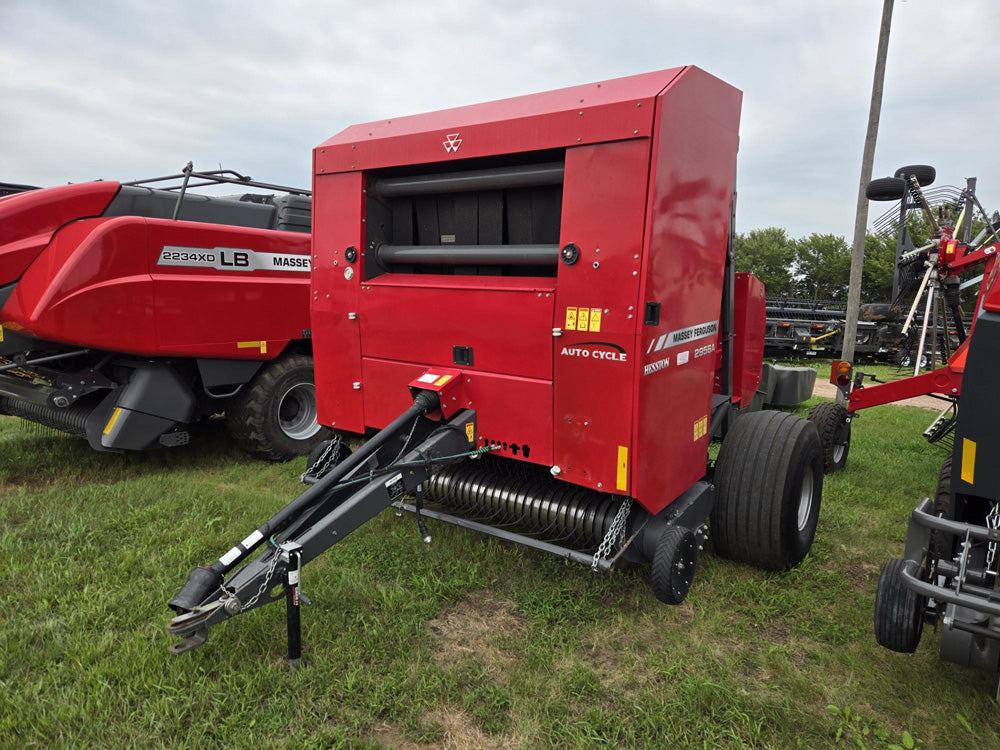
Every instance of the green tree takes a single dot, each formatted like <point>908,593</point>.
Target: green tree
<point>769,254</point>
<point>880,260</point>
<point>822,266</point>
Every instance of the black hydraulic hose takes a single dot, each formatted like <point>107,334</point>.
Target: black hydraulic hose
<point>423,402</point>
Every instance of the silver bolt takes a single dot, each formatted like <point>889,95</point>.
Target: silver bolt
<point>630,307</point>
<point>596,264</point>
<point>555,471</point>
<point>599,485</point>
<point>328,296</point>
<point>605,311</point>
<point>586,424</point>
<point>635,273</point>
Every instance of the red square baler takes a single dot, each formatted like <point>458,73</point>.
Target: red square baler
<point>547,280</point>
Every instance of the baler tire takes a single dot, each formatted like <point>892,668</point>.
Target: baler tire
<point>254,419</point>
<point>886,189</point>
<point>834,434</point>
<point>924,173</point>
<point>673,564</point>
<point>768,488</point>
<point>940,544</point>
<point>898,611</point>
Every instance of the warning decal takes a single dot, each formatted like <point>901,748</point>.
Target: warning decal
<point>700,428</point>
<point>583,319</point>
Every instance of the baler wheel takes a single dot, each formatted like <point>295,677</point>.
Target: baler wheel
<point>924,173</point>
<point>673,564</point>
<point>886,189</point>
<point>898,611</point>
<point>940,544</point>
<point>768,486</point>
<point>834,434</point>
<point>274,416</point>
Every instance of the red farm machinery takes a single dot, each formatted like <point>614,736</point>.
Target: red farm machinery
<point>130,312</point>
<point>935,274</point>
<point>530,306</point>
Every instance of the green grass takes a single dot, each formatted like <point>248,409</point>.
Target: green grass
<point>468,642</point>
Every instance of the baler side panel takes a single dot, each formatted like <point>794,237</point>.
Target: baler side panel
<point>90,287</point>
<point>338,223</point>
<point>413,319</point>
<point>229,314</point>
<point>596,299</point>
<point>511,406</point>
<point>749,321</point>
<point>695,142</point>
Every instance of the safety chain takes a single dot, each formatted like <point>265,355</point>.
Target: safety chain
<point>325,461</point>
<point>615,533</point>
<point>267,579</point>
<point>993,522</point>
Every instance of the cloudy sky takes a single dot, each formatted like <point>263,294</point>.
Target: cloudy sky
<point>123,90</point>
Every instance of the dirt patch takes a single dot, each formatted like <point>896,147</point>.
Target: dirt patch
<point>460,733</point>
<point>478,626</point>
<point>825,389</point>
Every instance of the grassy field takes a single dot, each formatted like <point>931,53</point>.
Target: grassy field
<point>464,643</point>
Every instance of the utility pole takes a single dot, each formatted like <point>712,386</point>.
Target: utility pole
<point>861,220</point>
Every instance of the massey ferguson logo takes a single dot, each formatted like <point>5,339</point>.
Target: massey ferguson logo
<point>452,142</point>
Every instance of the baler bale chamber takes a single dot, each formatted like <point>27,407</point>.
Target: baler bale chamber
<point>547,280</point>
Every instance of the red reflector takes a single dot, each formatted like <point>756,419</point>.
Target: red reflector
<point>785,325</point>
<point>843,379</point>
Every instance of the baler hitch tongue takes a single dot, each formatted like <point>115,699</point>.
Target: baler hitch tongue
<point>190,643</point>
<point>391,464</point>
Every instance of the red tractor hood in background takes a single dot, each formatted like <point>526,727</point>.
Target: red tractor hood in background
<point>28,220</point>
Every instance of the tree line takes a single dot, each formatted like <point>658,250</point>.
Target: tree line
<point>814,267</point>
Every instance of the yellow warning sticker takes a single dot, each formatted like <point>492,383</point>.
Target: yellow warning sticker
<point>1,333</point>
<point>595,320</point>
<point>582,318</point>
<point>622,479</point>
<point>262,345</point>
<point>111,422</point>
<point>700,428</point>
<point>442,380</point>
<point>968,460</point>
<point>570,319</point>
<point>470,431</point>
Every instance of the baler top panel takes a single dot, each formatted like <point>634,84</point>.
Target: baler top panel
<point>565,251</point>
<point>606,111</point>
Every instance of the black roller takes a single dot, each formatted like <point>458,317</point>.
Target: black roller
<point>500,178</point>
<point>493,255</point>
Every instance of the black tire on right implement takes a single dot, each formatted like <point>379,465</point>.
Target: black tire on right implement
<point>924,173</point>
<point>898,611</point>
<point>834,434</point>
<point>768,487</point>
<point>886,189</point>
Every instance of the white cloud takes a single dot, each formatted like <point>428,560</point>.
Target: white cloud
<point>132,89</point>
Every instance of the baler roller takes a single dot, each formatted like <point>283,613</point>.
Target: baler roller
<point>493,255</point>
<point>500,178</point>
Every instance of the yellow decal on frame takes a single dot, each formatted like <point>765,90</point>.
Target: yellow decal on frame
<point>595,320</point>
<point>570,319</point>
<point>622,480</point>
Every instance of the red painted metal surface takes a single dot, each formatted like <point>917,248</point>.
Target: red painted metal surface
<point>945,380</point>
<point>28,220</point>
<point>95,282</point>
<point>749,321</point>
<point>646,198</point>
